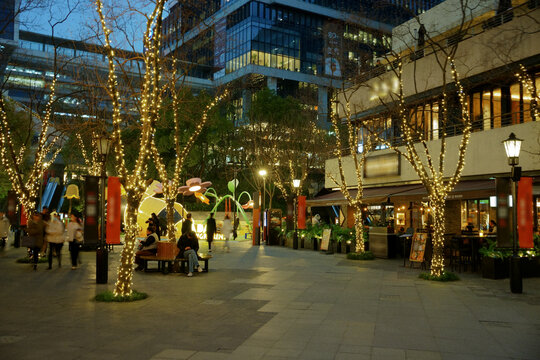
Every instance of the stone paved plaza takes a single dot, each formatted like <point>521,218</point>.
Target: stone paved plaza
<point>265,303</point>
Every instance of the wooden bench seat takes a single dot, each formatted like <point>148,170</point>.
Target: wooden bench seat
<point>165,264</point>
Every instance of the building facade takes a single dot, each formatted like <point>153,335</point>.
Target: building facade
<point>495,44</point>
<point>289,46</point>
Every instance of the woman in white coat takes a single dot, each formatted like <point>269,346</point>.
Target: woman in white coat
<point>226,230</point>
<point>54,234</point>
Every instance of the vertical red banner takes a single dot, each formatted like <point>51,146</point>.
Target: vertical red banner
<point>113,210</point>
<point>24,220</point>
<point>301,212</point>
<point>525,213</point>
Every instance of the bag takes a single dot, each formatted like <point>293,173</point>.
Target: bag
<point>79,236</point>
<point>28,241</point>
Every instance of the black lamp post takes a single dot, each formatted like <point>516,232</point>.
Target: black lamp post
<point>102,256</point>
<point>296,185</point>
<point>512,146</point>
<point>263,173</point>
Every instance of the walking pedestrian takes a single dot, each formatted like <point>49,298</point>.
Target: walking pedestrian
<point>35,230</point>
<point>4,229</point>
<point>210,230</point>
<point>226,230</point>
<point>74,237</point>
<point>54,234</point>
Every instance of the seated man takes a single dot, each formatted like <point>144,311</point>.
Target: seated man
<point>189,245</point>
<point>147,247</point>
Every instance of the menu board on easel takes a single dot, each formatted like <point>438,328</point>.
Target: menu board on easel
<point>418,247</point>
<point>325,241</point>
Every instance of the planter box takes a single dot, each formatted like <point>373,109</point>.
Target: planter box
<point>495,268</point>
<point>530,267</point>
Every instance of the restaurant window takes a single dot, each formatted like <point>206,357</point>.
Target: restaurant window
<point>514,103</point>
<point>496,98</point>
<point>478,213</point>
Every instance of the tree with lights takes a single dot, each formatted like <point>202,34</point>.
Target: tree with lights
<point>425,152</point>
<point>151,98</point>
<point>25,177</point>
<point>172,183</point>
<point>351,147</point>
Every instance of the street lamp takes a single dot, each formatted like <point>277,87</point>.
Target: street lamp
<point>102,256</point>
<point>296,185</point>
<point>263,173</point>
<point>512,146</point>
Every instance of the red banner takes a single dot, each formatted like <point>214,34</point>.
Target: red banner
<point>113,210</point>
<point>301,212</point>
<point>525,213</point>
<point>24,220</point>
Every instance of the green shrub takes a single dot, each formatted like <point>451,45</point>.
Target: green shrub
<point>366,255</point>
<point>445,276</point>
<point>108,296</point>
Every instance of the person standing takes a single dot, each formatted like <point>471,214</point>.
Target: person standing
<point>35,230</point>
<point>4,229</point>
<point>187,224</point>
<point>226,230</point>
<point>75,238</point>
<point>188,244</point>
<point>210,230</point>
<point>54,233</point>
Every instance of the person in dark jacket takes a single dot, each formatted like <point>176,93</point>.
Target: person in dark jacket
<point>189,245</point>
<point>147,247</point>
<point>36,229</point>
<point>211,229</point>
<point>154,221</point>
<point>187,224</point>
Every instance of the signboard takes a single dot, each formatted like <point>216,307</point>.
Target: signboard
<point>382,165</point>
<point>418,247</point>
<point>301,212</point>
<point>332,48</point>
<point>113,210</point>
<point>504,232</point>
<point>325,239</point>
<point>91,210</point>
<point>525,212</point>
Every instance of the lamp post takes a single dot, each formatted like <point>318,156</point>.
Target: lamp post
<point>263,173</point>
<point>102,256</point>
<point>235,183</point>
<point>296,185</point>
<point>512,146</point>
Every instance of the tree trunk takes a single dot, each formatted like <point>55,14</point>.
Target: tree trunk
<point>125,270</point>
<point>171,228</point>
<point>437,261</point>
<point>359,228</point>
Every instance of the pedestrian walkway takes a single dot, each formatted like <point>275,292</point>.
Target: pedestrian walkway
<point>265,303</point>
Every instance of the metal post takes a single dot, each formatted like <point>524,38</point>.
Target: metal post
<point>102,255</point>
<point>263,212</point>
<point>516,281</point>
<point>295,239</point>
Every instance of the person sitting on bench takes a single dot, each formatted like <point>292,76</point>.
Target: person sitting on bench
<point>147,247</point>
<point>189,245</point>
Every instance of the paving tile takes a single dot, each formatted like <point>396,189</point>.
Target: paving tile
<point>174,354</point>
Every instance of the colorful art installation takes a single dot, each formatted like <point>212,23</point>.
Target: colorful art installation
<point>152,204</point>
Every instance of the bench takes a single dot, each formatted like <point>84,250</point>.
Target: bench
<point>165,263</point>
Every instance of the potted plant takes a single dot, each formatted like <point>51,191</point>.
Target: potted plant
<point>495,263</point>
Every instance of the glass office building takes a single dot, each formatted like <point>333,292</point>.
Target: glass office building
<point>315,44</point>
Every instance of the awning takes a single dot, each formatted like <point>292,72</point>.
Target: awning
<point>465,189</point>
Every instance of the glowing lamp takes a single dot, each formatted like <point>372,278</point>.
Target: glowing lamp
<point>296,183</point>
<point>195,188</point>
<point>512,146</point>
